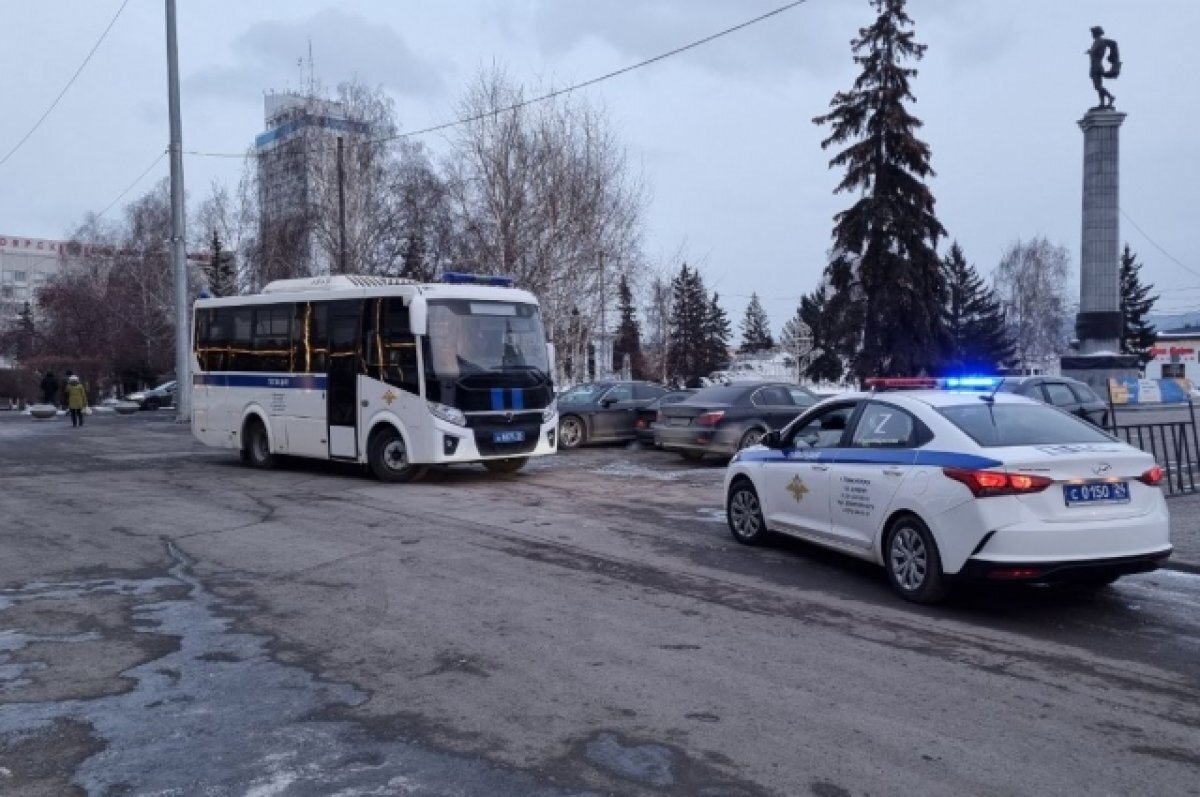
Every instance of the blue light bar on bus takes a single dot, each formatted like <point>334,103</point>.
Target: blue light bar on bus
<point>462,278</point>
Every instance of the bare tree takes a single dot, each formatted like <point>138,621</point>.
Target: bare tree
<point>544,193</point>
<point>1032,282</point>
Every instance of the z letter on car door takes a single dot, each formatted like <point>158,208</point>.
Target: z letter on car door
<point>868,473</point>
<point>796,479</point>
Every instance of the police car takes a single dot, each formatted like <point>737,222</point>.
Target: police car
<point>940,480</point>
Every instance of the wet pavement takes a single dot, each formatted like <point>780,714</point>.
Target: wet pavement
<point>172,623</point>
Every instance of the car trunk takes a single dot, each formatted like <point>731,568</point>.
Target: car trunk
<point>1093,482</point>
<point>685,414</point>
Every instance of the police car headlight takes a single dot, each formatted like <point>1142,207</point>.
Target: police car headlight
<point>550,411</point>
<point>448,414</point>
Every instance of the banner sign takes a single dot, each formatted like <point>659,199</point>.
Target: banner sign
<point>1128,390</point>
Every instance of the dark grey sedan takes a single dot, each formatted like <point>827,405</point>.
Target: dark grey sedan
<point>602,412</point>
<point>724,419</point>
<point>1069,395</point>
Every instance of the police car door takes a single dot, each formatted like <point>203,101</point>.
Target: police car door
<point>795,478</point>
<point>871,470</point>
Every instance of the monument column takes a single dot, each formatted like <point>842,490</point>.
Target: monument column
<point>1098,325</point>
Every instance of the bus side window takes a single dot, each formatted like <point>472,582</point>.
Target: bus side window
<point>393,348</point>
<point>318,337</point>
<point>241,353</point>
<point>271,339</point>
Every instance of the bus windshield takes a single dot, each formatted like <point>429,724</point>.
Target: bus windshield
<point>468,336</point>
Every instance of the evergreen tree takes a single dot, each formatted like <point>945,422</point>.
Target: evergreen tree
<point>25,335</point>
<point>220,271</point>
<point>756,328</point>
<point>977,336</point>
<point>717,332</point>
<point>885,275</point>
<point>824,362</point>
<point>629,334</point>
<point>1137,336</point>
<point>686,341</point>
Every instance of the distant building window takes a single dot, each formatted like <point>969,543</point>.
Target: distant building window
<point>6,278</point>
<point>20,276</point>
<point>6,292</point>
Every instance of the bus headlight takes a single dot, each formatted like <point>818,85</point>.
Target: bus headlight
<point>448,414</point>
<point>550,411</point>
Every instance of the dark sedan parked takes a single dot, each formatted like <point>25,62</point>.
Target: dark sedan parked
<point>1069,395</point>
<point>724,419</point>
<point>602,412</point>
<point>647,416</point>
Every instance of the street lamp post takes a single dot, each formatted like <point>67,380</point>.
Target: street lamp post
<point>183,375</point>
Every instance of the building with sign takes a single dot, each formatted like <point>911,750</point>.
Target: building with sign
<point>297,164</point>
<point>25,264</point>
<point>1175,356</point>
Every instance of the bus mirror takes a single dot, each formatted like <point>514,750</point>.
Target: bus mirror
<point>418,315</point>
<point>550,357</point>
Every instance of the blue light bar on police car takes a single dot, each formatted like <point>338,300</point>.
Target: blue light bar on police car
<point>973,382</point>
<point>462,278</point>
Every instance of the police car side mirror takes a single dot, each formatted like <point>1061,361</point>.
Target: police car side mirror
<point>771,439</point>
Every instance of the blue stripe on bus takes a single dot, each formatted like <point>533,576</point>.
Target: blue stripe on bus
<point>873,456</point>
<point>275,381</point>
<point>497,398</point>
<point>518,398</point>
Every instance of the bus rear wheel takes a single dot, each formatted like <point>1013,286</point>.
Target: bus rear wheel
<point>509,465</point>
<point>256,445</point>
<point>388,457</point>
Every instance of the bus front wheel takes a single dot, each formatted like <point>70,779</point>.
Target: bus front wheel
<point>389,457</point>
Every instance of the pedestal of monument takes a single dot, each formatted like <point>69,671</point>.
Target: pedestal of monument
<point>1099,324</point>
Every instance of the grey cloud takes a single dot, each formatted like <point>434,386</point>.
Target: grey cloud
<point>797,40</point>
<point>344,46</point>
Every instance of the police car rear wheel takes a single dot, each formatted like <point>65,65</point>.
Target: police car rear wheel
<point>745,516</point>
<point>914,567</point>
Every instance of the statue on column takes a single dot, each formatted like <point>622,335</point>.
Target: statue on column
<point>1100,48</point>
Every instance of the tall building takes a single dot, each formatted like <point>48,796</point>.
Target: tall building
<point>297,162</point>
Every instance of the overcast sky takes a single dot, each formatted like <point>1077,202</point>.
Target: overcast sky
<point>722,134</point>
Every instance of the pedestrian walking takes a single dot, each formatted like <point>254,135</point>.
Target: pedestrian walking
<point>76,400</point>
<point>70,375</point>
<point>50,388</point>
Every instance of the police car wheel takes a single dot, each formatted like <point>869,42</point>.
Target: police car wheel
<point>744,513</point>
<point>913,565</point>
<point>388,457</point>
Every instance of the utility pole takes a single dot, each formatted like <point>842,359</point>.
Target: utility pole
<point>183,370</point>
<point>341,171</point>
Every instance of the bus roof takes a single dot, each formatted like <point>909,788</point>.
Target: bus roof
<point>353,286</point>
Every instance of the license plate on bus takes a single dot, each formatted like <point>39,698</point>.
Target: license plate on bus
<point>1107,493</point>
<point>514,436</point>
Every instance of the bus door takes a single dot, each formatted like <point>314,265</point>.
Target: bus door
<point>345,323</point>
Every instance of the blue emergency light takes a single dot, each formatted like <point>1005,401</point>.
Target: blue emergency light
<point>973,382</point>
<point>462,278</point>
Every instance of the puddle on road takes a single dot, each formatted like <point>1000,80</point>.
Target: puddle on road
<point>634,471</point>
<point>216,716</point>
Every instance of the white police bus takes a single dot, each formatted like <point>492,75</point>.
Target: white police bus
<point>377,370</point>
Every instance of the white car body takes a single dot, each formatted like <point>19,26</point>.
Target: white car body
<point>847,496</point>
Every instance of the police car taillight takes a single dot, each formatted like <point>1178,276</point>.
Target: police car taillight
<point>1152,477</point>
<point>900,383</point>
<point>989,483</point>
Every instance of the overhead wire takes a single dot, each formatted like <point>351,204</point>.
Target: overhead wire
<point>65,88</point>
<point>132,185</point>
<point>551,94</point>
<point>1155,244</point>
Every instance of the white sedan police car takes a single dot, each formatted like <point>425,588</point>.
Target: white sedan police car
<point>944,484</point>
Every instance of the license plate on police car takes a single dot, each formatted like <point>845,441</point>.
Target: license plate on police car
<point>514,436</point>
<point>1106,493</point>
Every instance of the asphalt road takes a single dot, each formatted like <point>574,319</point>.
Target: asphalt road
<point>172,623</point>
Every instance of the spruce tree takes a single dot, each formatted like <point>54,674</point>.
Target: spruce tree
<point>25,335</point>
<point>977,334</point>
<point>686,343</point>
<point>220,272</point>
<point>885,275</point>
<point>717,332</point>
<point>756,328</point>
<point>1137,336</point>
<point>825,364</point>
<point>629,334</point>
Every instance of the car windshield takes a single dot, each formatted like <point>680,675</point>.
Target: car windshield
<point>166,386</point>
<point>995,425</point>
<point>582,394</point>
<point>469,337</point>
